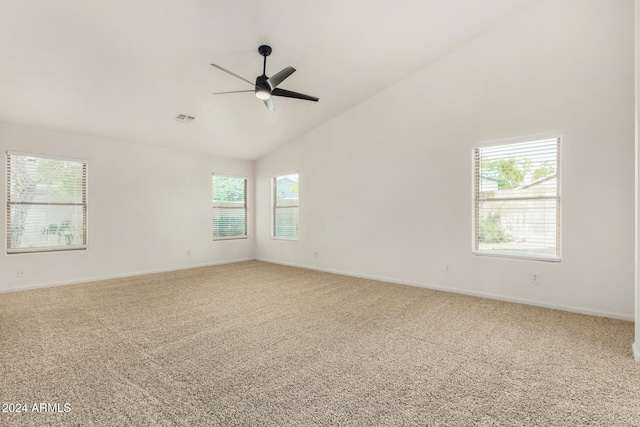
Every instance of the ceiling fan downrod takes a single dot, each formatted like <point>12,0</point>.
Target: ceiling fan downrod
<point>265,51</point>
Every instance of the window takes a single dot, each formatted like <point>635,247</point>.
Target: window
<point>285,207</point>
<point>517,198</point>
<point>46,203</point>
<point>229,201</point>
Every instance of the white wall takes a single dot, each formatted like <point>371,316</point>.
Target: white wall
<point>147,207</point>
<point>636,345</point>
<point>385,188</point>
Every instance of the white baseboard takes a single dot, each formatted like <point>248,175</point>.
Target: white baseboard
<point>117,276</point>
<point>636,346</point>
<point>571,309</point>
<point>636,351</point>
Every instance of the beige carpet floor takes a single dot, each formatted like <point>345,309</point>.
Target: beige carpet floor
<point>256,344</point>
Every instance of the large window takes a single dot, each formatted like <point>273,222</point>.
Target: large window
<point>285,207</point>
<point>229,201</point>
<point>517,198</point>
<point>46,203</point>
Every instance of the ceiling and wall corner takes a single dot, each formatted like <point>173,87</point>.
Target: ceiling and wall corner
<point>386,187</point>
<point>122,70</point>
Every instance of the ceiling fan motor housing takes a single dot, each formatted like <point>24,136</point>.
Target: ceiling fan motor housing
<point>262,86</point>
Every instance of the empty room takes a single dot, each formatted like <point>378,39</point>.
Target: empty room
<point>298,213</point>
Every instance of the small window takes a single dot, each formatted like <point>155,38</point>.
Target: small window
<point>517,199</point>
<point>229,201</point>
<point>285,207</point>
<point>46,203</point>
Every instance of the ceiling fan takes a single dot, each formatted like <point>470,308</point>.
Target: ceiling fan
<point>266,87</point>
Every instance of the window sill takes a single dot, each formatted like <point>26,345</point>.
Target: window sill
<point>217,239</point>
<point>45,250</point>
<point>527,257</point>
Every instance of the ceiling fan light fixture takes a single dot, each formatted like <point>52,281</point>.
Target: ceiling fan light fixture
<point>263,94</point>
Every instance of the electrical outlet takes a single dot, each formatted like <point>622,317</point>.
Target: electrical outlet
<point>448,268</point>
<point>21,274</point>
<point>188,253</point>
<point>535,278</point>
<point>315,254</point>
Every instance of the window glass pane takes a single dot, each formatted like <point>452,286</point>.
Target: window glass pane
<point>510,166</point>
<point>286,190</point>
<point>287,222</point>
<point>229,222</point>
<point>47,226</point>
<point>518,226</point>
<point>46,203</point>
<point>229,200</point>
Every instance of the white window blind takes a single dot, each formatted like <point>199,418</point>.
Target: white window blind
<point>46,203</point>
<point>285,207</point>
<point>517,199</point>
<point>229,201</point>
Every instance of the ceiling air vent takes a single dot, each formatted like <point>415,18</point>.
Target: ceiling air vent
<point>184,118</point>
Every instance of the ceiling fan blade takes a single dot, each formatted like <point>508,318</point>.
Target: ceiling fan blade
<point>232,73</point>
<point>279,77</point>
<point>269,104</point>
<point>290,94</point>
<point>233,91</point>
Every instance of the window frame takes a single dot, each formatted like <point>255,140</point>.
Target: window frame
<point>246,210</point>
<point>84,204</point>
<point>475,200</point>
<point>273,182</point>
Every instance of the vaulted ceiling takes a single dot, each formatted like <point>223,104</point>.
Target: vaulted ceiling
<point>123,69</point>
